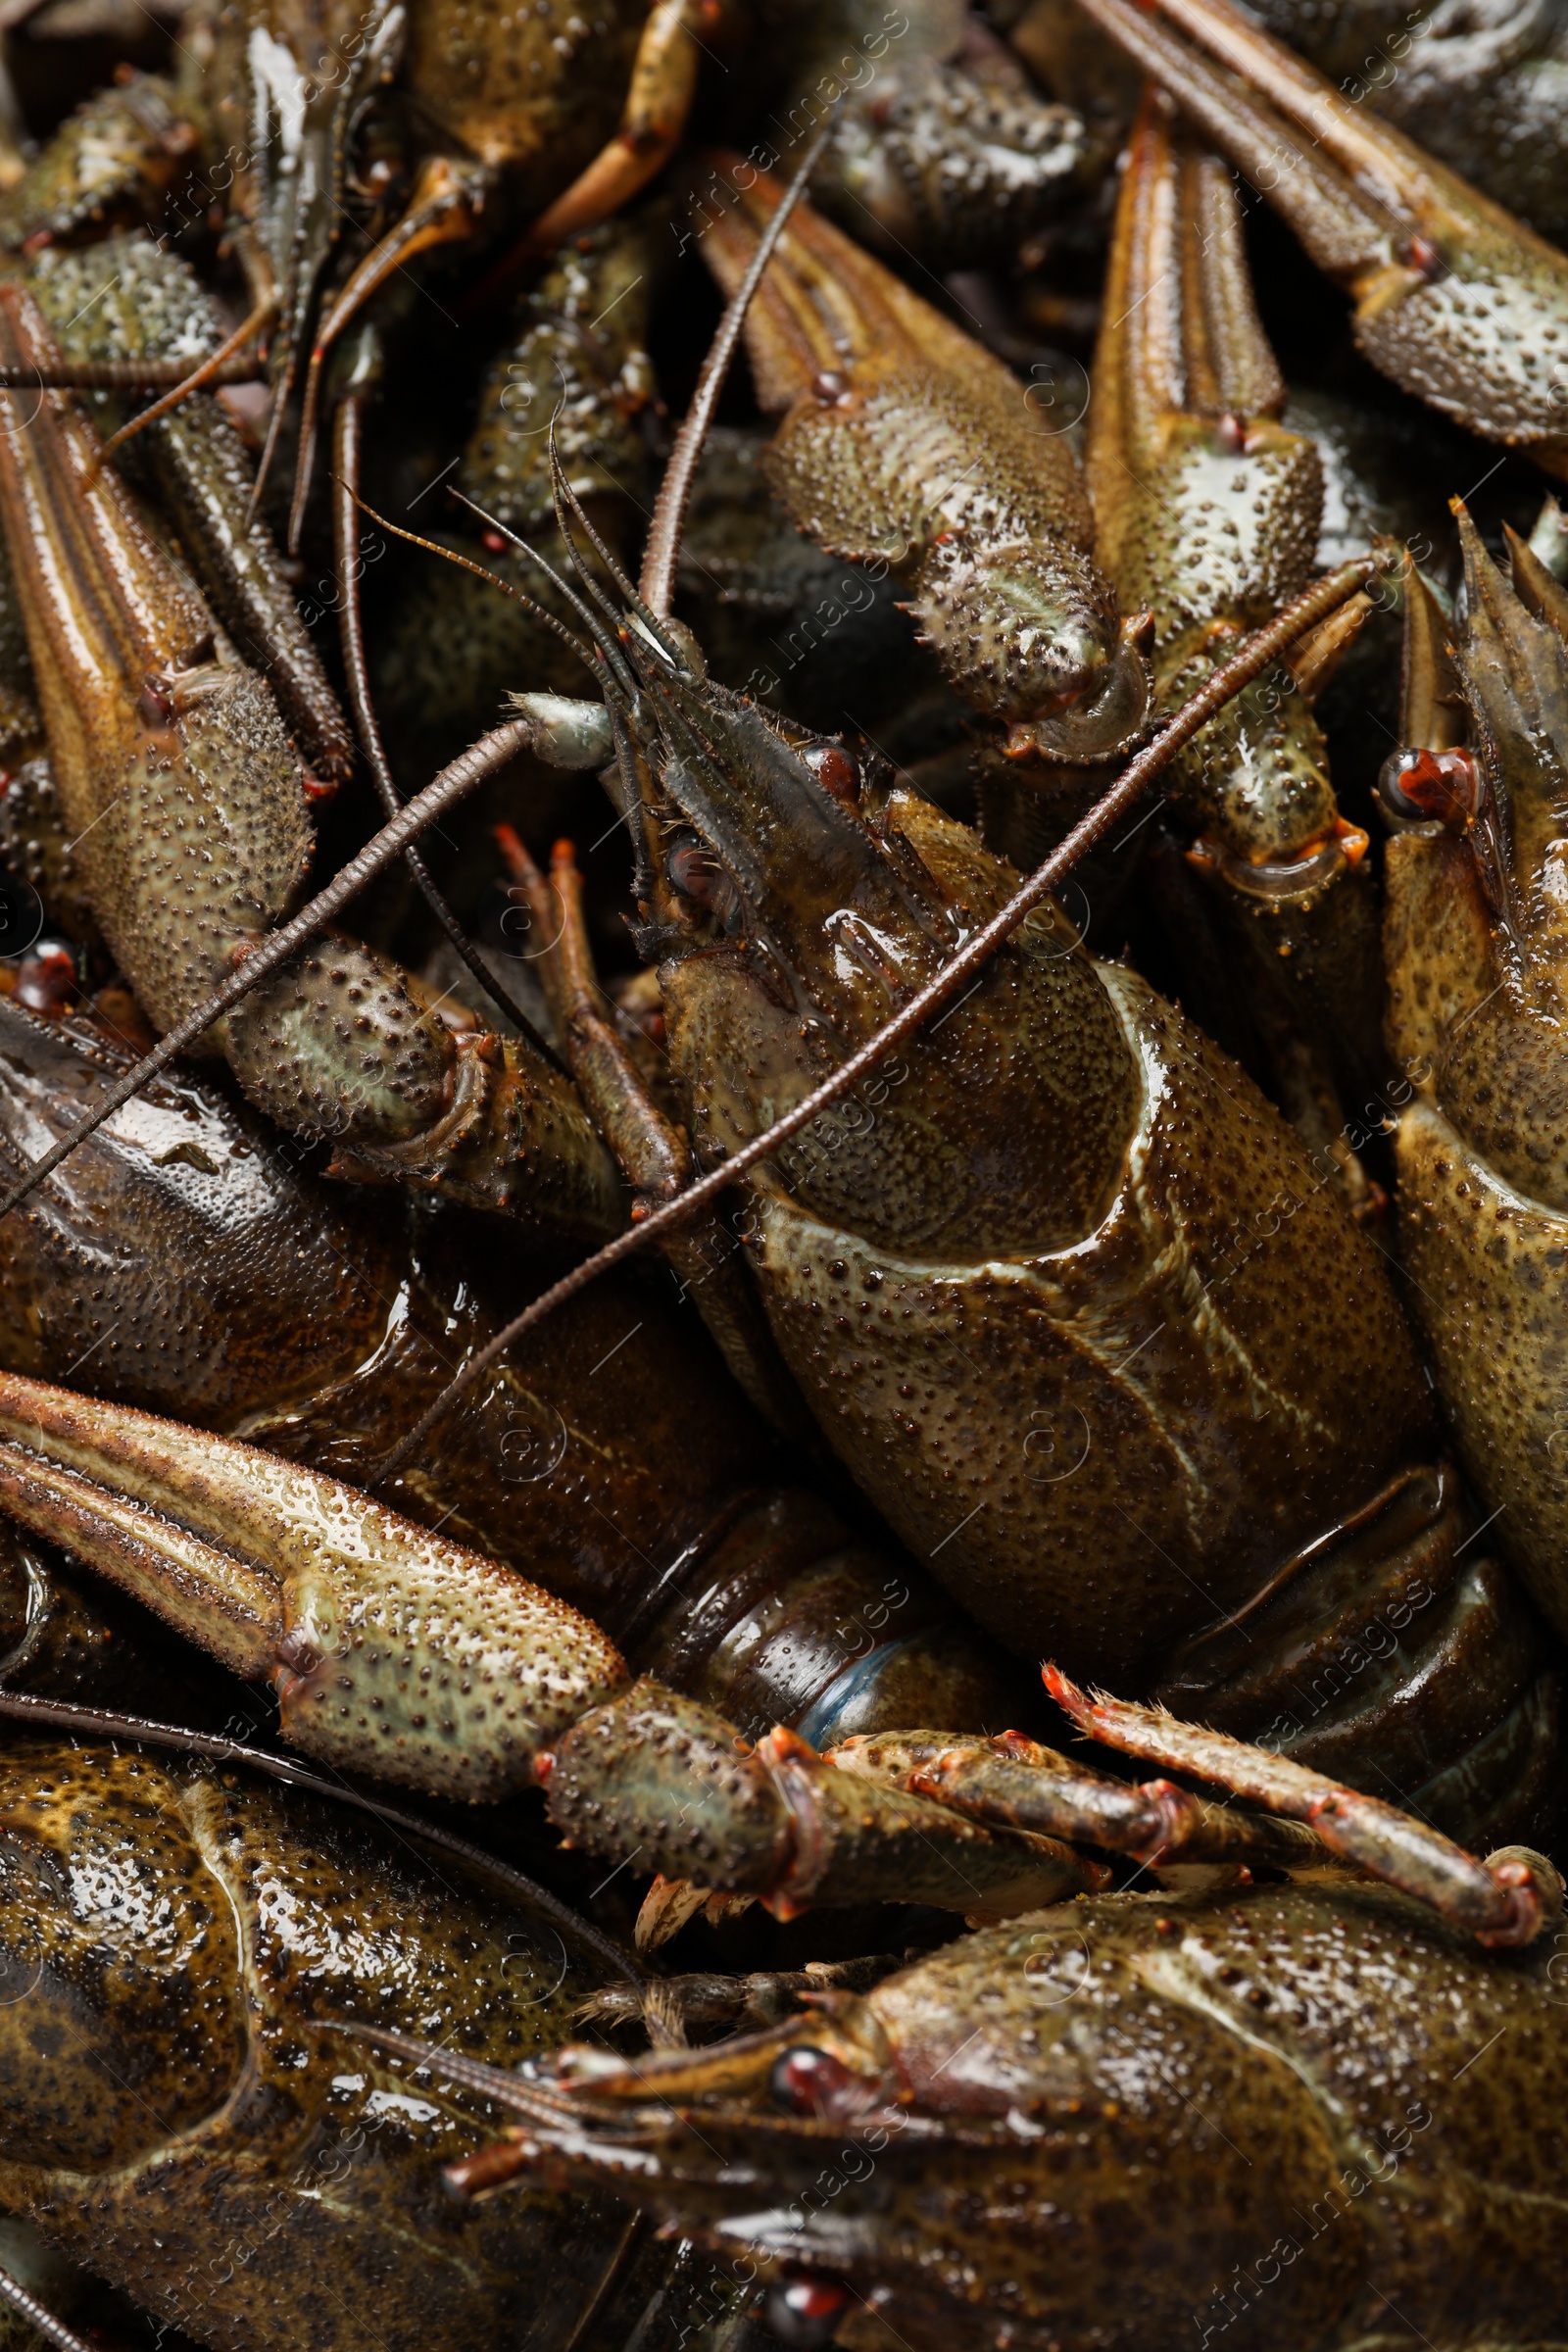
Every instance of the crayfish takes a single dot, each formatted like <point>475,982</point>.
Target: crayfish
<point>1171,1379</point>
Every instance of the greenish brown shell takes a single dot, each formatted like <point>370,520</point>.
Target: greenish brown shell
<point>180,2115</point>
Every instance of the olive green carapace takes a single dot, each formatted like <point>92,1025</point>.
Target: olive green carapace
<point>1478,956</point>
<point>175,2115</point>
<point>1134,2119</point>
<point>1064,1292</point>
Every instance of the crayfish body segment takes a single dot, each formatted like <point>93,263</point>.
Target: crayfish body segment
<point>1264,2086</point>
<point>1063,1288</point>
<point>201,1273</point>
<point>397,1653</point>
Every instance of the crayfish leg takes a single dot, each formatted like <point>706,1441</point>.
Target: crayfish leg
<point>1504,1901</point>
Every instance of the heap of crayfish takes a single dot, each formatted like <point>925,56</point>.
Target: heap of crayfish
<point>711,1129</point>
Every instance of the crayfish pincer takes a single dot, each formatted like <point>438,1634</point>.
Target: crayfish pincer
<point>1456,301</point>
<point>905,441</point>
<point>201,1272</point>
<point>189,809</point>
<point>398,1653</point>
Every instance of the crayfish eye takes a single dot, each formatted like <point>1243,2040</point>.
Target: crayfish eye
<point>804,2309</point>
<point>699,875</point>
<point>837,770</point>
<point>1428,785</point>
<point>809,2082</point>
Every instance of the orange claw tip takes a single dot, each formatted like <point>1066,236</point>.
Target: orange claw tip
<point>319,787</point>
<point>1355,842</point>
<point>781,1745</point>
<point>544,1764</point>
<point>1068,1695</point>
<point>1204,856</point>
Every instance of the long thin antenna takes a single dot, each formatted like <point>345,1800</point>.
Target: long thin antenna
<point>452,785</point>
<point>102,1723</point>
<point>663,550</point>
<point>433,547</point>
<point>55,2331</point>
<point>206,372</point>
<point>348,432</point>
<point>592,622</point>
<point>568,504</point>
<point>1243,666</point>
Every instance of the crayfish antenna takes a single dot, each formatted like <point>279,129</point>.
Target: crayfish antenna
<point>663,550</point>
<point>604,643</point>
<point>569,508</point>
<point>347,431</point>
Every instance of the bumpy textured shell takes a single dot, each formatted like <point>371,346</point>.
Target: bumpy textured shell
<point>1072,1302</point>
<point>176,2118</point>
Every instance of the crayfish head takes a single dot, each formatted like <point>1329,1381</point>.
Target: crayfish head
<point>765,832</point>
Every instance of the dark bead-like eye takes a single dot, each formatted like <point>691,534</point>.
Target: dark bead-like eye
<point>1422,256</point>
<point>701,876</point>
<point>804,2309</point>
<point>810,2081</point>
<point>836,770</point>
<point>1433,786</point>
